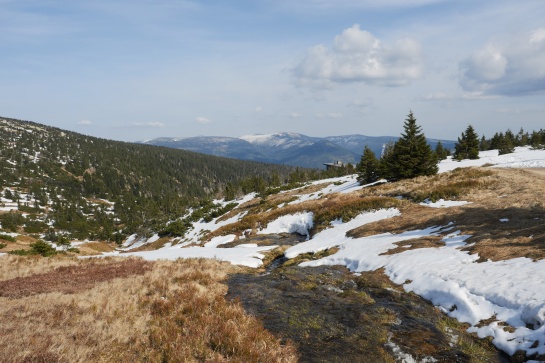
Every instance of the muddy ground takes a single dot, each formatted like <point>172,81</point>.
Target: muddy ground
<point>333,315</point>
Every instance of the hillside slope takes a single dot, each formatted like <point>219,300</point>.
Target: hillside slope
<point>91,187</point>
<point>469,240</point>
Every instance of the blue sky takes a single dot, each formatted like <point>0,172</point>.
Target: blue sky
<point>134,70</point>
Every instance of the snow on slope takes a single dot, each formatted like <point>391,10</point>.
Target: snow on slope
<point>523,157</point>
<point>245,255</point>
<point>452,279</point>
<point>283,140</point>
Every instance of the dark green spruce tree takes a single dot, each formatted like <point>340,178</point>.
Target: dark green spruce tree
<point>484,144</point>
<point>440,151</point>
<point>368,167</point>
<point>411,156</point>
<point>467,146</point>
<point>506,145</point>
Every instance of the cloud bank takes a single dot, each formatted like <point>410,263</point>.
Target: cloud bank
<point>358,56</point>
<point>511,67</point>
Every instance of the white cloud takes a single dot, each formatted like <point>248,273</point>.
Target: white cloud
<point>335,115</point>
<point>203,120</point>
<point>258,109</point>
<point>149,124</point>
<point>295,115</point>
<point>511,67</point>
<point>358,56</point>
<point>361,103</point>
<point>331,115</point>
<point>85,122</point>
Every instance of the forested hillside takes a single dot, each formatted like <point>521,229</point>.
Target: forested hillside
<point>93,187</point>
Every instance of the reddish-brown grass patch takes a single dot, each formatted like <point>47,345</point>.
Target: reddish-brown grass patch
<point>71,279</point>
<point>118,310</point>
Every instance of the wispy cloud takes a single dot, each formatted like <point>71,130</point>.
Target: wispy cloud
<point>330,115</point>
<point>85,122</point>
<point>202,120</point>
<point>149,124</point>
<point>361,103</point>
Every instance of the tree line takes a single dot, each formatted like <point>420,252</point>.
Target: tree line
<point>411,156</point>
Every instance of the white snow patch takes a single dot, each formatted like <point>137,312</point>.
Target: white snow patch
<point>220,240</point>
<point>246,256</point>
<point>202,227</point>
<point>403,357</point>
<point>335,237</point>
<point>441,203</point>
<point>297,223</point>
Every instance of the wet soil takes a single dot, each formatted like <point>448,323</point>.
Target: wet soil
<point>333,315</point>
<point>285,239</point>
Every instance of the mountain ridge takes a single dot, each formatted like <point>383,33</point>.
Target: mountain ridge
<point>287,148</point>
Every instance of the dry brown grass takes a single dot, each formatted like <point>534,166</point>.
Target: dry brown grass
<point>22,242</point>
<point>20,266</point>
<point>71,279</point>
<point>25,239</point>
<point>452,185</point>
<point>495,194</point>
<point>126,310</point>
<point>95,248</point>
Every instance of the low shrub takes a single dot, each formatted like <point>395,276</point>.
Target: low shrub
<point>39,248</point>
<point>349,209</point>
<point>7,237</point>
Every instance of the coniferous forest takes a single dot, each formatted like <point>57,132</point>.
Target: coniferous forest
<point>103,189</point>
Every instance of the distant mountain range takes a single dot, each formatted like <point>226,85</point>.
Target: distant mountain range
<point>285,147</point>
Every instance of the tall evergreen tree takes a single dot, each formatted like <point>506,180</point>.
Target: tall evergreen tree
<point>495,141</point>
<point>467,146</point>
<point>506,145</point>
<point>368,167</point>
<point>484,144</point>
<point>411,155</point>
<point>440,151</point>
<point>523,138</point>
<point>536,140</point>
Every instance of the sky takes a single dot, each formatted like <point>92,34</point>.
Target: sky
<point>140,69</point>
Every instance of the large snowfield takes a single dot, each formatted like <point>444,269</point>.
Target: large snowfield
<point>511,291</point>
